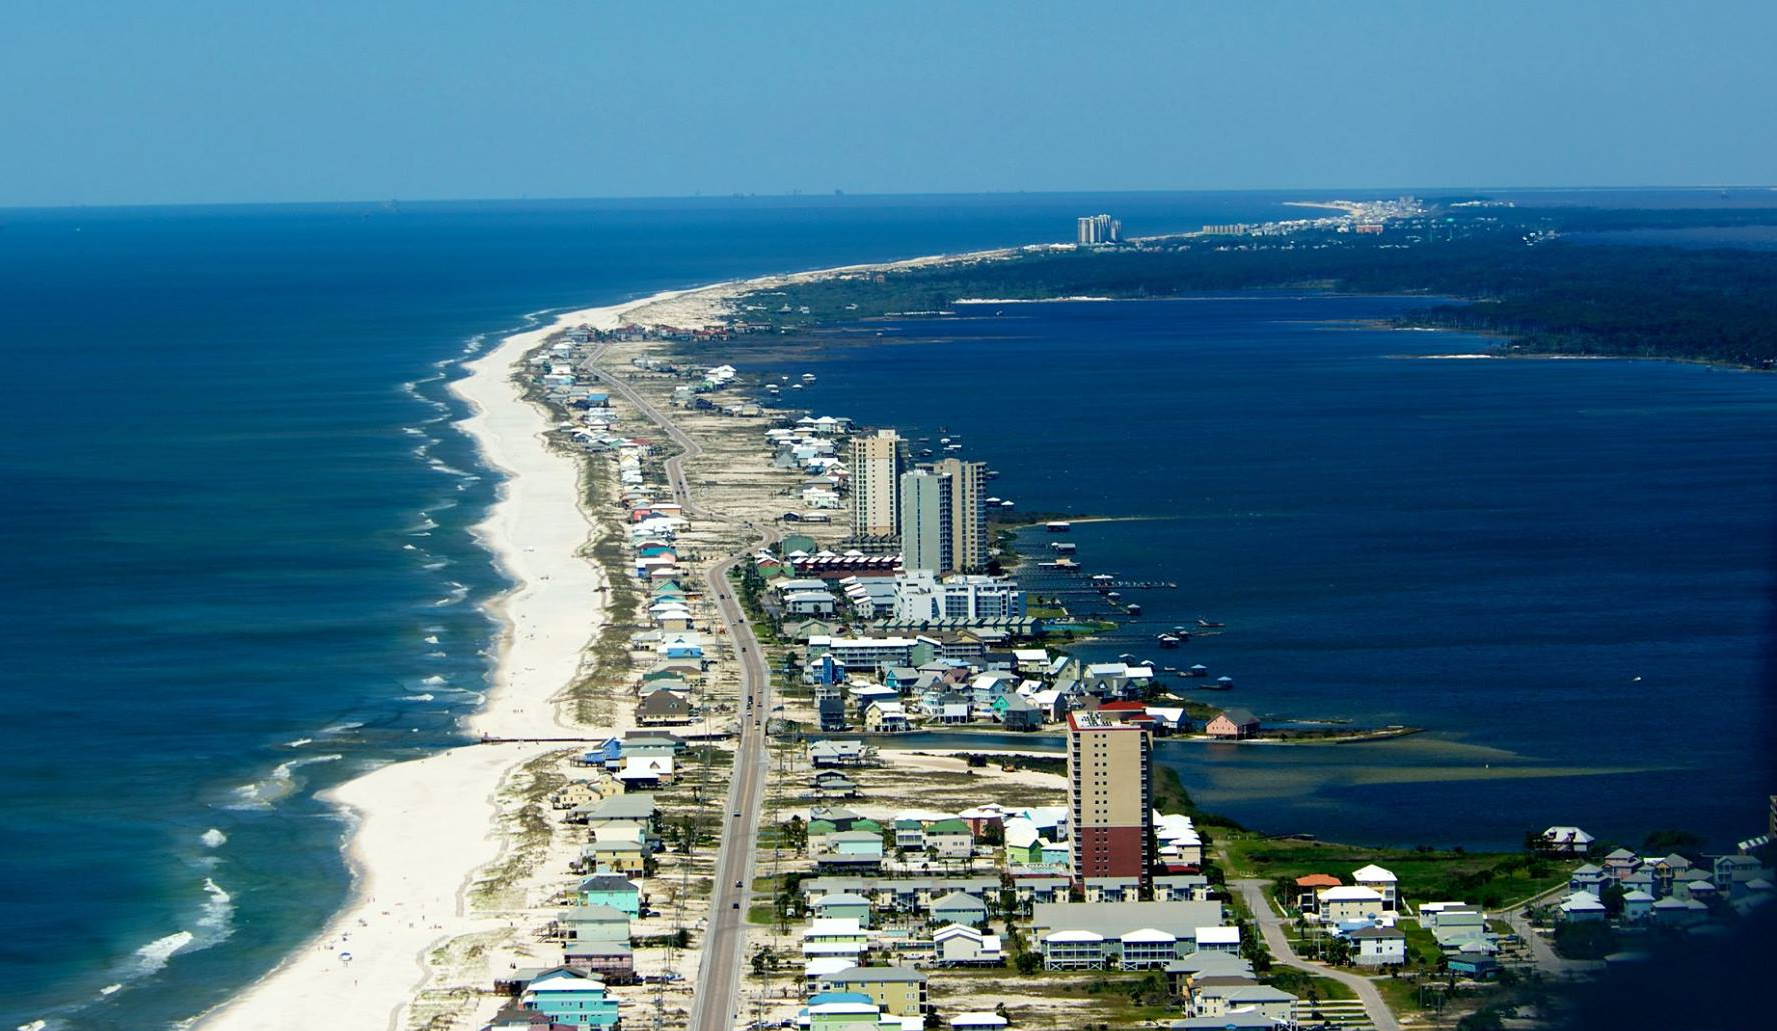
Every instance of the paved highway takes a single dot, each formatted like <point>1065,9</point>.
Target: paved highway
<point>715,1003</point>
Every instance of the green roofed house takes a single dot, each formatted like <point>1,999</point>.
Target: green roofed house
<point>959,908</point>
<point>843,905</point>
<point>950,839</point>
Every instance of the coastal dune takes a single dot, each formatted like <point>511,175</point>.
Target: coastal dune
<point>423,828</point>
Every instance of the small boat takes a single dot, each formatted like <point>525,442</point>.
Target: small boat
<point>1207,625</point>
<point>1126,658</point>
<point>1112,595</point>
<point>1132,609</point>
<point>808,377</point>
<point>1167,641</point>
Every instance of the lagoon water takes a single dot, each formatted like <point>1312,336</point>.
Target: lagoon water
<point>1561,569</point>
<point>233,539</point>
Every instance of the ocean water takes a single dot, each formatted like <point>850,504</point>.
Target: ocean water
<point>233,534</point>
<point>1562,570</point>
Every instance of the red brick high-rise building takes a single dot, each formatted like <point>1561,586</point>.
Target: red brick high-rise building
<point>1110,797</point>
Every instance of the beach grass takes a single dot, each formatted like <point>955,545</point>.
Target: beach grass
<point>1492,879</point>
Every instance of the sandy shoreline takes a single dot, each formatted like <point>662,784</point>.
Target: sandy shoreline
<point>424,827</point>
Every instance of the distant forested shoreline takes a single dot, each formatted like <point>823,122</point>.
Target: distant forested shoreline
<point>1519,272</point>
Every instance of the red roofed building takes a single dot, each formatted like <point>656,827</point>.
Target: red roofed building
<point>1308,888</point>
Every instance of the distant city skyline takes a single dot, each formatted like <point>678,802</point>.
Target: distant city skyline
<point>111,103</point>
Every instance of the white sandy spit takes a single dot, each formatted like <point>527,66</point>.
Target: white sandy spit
<point>423,828</point>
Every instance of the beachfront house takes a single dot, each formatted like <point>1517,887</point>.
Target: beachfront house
<point>1350,903</point>
<point>1381,881</point>
<point>620,893</point>
<point>957,945</point>
<point>591,924</point>
<point>610,962</point>
<point>663,708</point>
<point>959,908</point>
<point>568,996</point>
<point>842,905</point>
<point>1564,841</point>
<point>1233,725</point>
<point>1378,946</point>
<point>897,990</point>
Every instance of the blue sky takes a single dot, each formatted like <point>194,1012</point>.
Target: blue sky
<point>209,101</point>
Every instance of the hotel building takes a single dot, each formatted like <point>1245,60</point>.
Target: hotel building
<point>968,513</point>
<point>1110,798</point>
<point>876,466</point>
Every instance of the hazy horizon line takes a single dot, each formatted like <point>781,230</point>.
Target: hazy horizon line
<point>839,194</point>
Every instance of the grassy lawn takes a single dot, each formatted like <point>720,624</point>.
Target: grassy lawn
<point>1094,998</point>
<point>1297,982</point>
<point>1401,994</point>
<point>1421,946</point>
<point>760,913</point>
<point>1492,879</point>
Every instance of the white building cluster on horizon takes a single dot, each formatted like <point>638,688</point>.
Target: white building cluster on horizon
<point>1096,229</point>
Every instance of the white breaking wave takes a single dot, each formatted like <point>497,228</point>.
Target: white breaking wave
<point>416,697</point>
<point>340,728</point>
<point>213,926</point>
<point>299,742</point>
<point>213,838</point>
<point>262,793</point>
<point>217,921</point>
<point>152,957</point>
<point>433,566</point>
<point>431,638</point>
<point>435,680</point>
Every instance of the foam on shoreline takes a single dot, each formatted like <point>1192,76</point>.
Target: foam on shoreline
<point>419,830</point>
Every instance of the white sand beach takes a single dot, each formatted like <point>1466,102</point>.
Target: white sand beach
<point>423,828</point>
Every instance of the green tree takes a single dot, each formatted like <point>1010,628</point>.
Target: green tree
<point>1612,897</point>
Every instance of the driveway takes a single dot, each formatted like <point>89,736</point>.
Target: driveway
<point>1271,930</point>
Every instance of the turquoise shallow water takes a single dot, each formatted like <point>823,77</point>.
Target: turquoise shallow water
<point>232,535</point>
